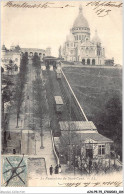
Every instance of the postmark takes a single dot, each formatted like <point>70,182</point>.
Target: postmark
<point>14,171</point>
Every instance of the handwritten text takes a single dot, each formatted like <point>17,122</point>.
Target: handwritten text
<point>102,9</point>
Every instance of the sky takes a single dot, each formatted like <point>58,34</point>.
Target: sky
<point>48,27</point>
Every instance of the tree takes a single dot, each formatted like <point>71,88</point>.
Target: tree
<point>10,66</point>
<point>39,93</point>
<point>19,94</point>
<point>2,69</point>
<point>110,121</point>
<point>37,63</point>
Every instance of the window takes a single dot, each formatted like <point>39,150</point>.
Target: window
<point>101,149</point>
<point>16,59</point>
<point>79,37</point>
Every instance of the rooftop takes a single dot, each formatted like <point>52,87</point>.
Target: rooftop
<point>84,138</point>
<point>32,49</point>
<point>77,125</point>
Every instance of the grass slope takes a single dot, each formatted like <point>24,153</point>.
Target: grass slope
<point>94,88</point>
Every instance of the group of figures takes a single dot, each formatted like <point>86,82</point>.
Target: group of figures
<point>57,169</point>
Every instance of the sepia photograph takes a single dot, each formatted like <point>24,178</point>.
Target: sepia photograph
<point>61,94</point>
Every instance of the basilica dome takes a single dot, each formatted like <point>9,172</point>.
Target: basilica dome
<point>80,21</point>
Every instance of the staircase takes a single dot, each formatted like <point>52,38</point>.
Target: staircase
<point>36,168</point>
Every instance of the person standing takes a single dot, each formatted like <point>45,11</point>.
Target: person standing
<point>51,170</point>
<point>57,169</point>
<point>60,170</point>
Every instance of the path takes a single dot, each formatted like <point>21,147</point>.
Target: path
<point>30,118</point>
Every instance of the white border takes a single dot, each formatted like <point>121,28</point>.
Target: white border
<point>82,190</point>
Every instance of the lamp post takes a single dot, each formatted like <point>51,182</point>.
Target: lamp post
<point>75,154</point>
<point>35,145</point>
<point>41,147</point>
<point>28,144</point>
<point>69,155</point>
<point>81,155</point>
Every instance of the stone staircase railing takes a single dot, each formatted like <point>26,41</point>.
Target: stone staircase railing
<point>54,150</point>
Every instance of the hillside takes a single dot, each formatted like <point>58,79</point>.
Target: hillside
<point>99,91</point>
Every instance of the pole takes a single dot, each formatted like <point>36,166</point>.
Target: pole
<point>35,146</point>
<point>114,156</point>
<point>41,147</point>
<point>74,159</point>
<point>28,143</point>
<point>17,119</point>
<point>81,155</point>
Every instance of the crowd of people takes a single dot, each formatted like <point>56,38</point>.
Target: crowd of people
<point>55,170</point>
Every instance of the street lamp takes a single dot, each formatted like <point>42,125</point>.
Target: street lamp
<point>35,145</point>
<point>69,155</point>
<point>75,154</point>
<point>41,147</point>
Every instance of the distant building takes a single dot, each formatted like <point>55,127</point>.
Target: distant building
<point>10,59</point>
<point>31,51</point>
<point>78,45</point>
<point>48,51</point>
<point>109,62</point>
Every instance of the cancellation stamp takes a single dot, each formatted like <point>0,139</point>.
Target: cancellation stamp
<point>14,171</point>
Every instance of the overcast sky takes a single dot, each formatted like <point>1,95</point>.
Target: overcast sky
<point>41,28</point>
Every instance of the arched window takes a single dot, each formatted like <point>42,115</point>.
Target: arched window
<point>93,61</point>
<point>31,54</point>
<point>88,61</point>
<point>83,61</point>
<point>87,50</point>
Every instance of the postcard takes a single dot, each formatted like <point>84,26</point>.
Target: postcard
<point>61,96</point>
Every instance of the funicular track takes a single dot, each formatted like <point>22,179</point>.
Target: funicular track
<point>71,111</point>
<point>76,114</point>
<point>67,101</point>
<point>50,96</point>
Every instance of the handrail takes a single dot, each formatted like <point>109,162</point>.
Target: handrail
<point>57,158</point>
<point>120,163</point>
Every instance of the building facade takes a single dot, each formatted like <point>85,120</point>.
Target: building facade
<point>78,45</point>
<point>10,59</point>
<point>31,51</point>
<point>84,137</point>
